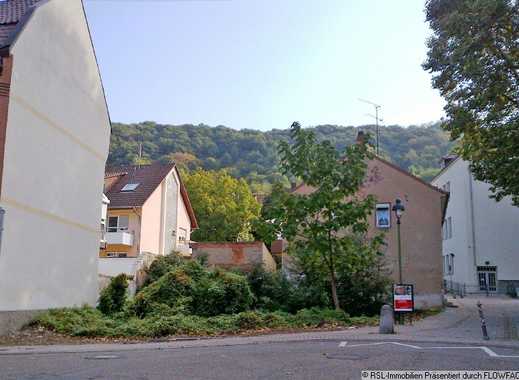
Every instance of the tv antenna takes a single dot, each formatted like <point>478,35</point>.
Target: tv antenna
<point>377,119</point>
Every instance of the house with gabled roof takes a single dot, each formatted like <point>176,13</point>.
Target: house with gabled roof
<point>149,215</point>
<point>54,137</point>
<point>421,226</point>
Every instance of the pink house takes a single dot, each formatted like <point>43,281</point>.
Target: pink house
<point>149,215</point>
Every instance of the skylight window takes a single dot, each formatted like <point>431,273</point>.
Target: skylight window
<point>129,187</point>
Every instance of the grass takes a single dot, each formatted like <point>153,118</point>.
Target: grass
<point>89,322</point>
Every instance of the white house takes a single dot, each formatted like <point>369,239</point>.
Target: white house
<point>480,249</point>
<point>54,137</point>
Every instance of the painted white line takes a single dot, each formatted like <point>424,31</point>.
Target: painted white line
<point>485,349</point>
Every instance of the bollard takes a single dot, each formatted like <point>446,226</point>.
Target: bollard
<point>483,323</point>
<point>387,320</point>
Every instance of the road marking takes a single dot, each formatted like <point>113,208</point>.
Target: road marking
<point>485,349</point>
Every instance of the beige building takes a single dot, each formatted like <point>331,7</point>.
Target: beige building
<point>149,214</point>
<point>54,137</point>
<point>421,226</point>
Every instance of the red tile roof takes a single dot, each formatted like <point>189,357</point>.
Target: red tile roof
<point>149,177</point>
<point>11,13</point>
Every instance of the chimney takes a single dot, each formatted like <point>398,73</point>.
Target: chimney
<point>447,160</point>
<point>361,137</point>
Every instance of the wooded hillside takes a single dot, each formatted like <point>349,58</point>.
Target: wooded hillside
<point>252,154</point>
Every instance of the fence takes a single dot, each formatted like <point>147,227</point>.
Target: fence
<point>455,288</point>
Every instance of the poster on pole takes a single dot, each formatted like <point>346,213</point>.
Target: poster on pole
<point>403,298</point>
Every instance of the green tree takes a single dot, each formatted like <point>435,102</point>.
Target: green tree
<point>474,60</point>
<point>224,206</point>
<point>323,226</point>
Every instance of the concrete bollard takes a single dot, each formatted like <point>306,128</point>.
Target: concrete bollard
<point>387,320</point>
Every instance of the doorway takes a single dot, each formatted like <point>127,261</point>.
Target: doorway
<point>487,278</point>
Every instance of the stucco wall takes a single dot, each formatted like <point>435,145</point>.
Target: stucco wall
<point>170,228</point>
<point>420,228</point>
<point>458,209</point>
<point>151,222</point>
<point>235,255</point>
<point>56,146</point>
<point>496,225</point>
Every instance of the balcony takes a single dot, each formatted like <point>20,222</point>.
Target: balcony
<point>119,237</point>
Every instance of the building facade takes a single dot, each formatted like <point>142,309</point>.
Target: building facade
<point>421,226</point>
<point>480,250</point>
<point>54,137</point>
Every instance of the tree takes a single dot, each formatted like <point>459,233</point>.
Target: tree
<point>224,206</point>
<point>323,226</point>
<point>474,59</point>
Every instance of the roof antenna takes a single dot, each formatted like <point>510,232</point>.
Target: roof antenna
<point>140,156</point>
<point>377,119</point>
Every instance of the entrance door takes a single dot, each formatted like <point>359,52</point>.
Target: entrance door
<point>487,278</point>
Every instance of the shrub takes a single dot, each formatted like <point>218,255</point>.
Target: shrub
<point>221,292</point>
<point>113,297</point>
<point>170,290</point>
<point>161,266</point>
<point>273,291</point>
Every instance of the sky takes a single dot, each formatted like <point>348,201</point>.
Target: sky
<point>262,64</point>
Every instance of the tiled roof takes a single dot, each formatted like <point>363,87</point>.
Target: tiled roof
<point>11,12</point>
<point>149,177</point>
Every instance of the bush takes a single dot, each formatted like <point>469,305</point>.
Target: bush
<point>171,290</point>
<point>113,297</point>
<point>273,291</point>
<point>161,266</point>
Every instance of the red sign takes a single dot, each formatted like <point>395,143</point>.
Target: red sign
<point>403,297</point>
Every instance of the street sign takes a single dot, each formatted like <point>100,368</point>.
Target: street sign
<point>403,298</point>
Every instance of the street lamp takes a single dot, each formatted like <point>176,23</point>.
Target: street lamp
<point>398,209</point>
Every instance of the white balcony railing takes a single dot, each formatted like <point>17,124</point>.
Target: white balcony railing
<point>119,237</point>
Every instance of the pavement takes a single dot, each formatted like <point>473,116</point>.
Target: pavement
<point>450,340</point>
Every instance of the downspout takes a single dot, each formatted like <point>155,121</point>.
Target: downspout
<point>2,214</point>
<point>472,219</point>
<point>140,228</point>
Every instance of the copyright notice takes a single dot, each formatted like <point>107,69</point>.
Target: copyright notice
<point>439,375</point>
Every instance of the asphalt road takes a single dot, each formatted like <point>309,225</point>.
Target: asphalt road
<point>314,359</point>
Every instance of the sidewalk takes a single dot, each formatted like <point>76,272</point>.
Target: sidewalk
<point>463,322</point>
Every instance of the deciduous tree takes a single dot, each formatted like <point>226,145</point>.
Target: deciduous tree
<point>474,59</point>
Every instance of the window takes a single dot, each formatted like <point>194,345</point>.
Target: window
<point>118,223</point>
<point>182,235</point>
<point>447,228</point>
<point>383,215</point>
<point>129,187</point>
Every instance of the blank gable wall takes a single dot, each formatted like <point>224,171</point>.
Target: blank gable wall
<point>56,147</point>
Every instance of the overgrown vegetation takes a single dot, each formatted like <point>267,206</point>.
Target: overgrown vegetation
<point>183,297</point>
<point>89,322</point>
<point>113,297</point>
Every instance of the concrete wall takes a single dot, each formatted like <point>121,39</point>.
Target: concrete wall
<point>483,230</point>
<point>244,256</point>
<point>420,229</point>
<point>55,151</point>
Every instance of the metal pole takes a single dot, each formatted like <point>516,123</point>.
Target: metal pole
<point>2,214</point>
<point>399,251</point>
<point>376,120</point>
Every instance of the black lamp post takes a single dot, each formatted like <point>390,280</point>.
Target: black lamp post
<point>398,209</point>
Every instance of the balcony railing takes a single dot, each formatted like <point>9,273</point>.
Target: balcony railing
<point>119,237</point>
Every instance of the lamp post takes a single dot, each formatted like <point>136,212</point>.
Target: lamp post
<point>398,209</point>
